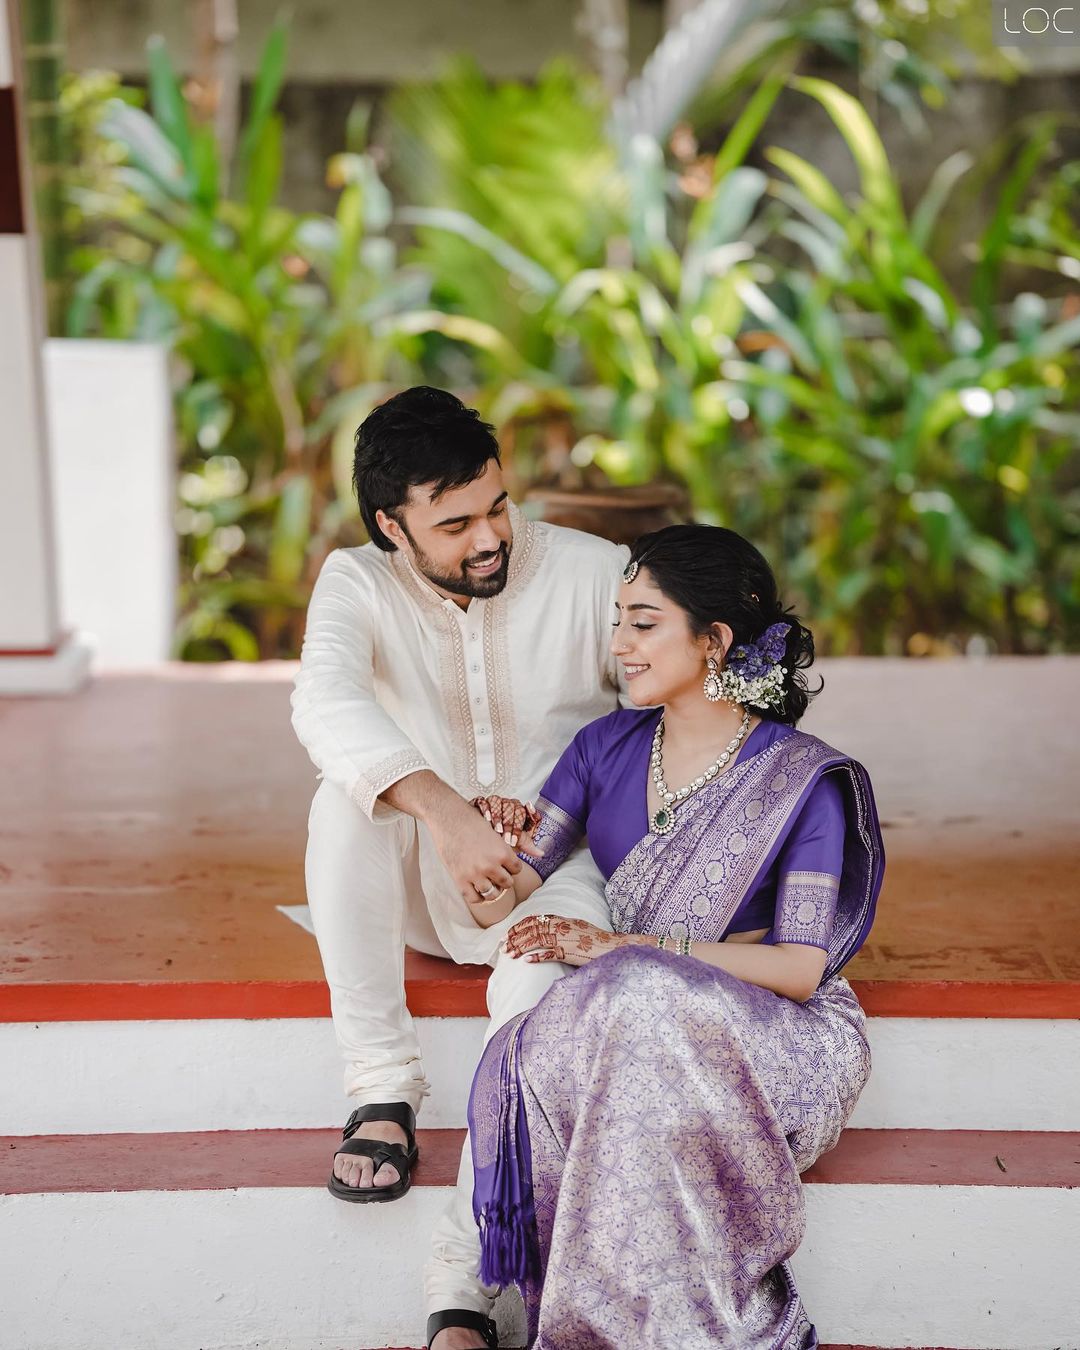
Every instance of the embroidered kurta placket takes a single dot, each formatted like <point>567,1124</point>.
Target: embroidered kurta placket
<point>471,623</point>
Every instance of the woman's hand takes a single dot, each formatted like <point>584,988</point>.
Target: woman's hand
<point>514,820</point>
<point>547,937</point>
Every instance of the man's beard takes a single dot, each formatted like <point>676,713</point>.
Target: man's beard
<point>462,582</point>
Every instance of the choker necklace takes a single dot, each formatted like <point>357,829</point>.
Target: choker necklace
<point>663,822</point>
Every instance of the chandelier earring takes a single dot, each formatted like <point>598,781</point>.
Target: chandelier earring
<point>714,691</point>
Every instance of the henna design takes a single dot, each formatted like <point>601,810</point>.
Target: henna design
<point>574,941</point>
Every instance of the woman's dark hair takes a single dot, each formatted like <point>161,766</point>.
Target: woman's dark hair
<point>717,576</point>
<point>423,435</point>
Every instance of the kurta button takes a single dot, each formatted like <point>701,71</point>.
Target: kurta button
<point>476,670</point>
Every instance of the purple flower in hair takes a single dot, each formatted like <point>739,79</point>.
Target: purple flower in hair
<point>754,659</point>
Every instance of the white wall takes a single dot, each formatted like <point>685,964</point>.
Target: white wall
<point>110,423</point>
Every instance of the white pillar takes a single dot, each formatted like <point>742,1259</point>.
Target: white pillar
<point>36,656</point>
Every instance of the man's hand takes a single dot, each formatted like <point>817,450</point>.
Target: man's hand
<point>481,862</point>
<point>476,856</point>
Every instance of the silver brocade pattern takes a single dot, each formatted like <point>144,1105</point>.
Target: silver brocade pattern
<point>671,1108</point>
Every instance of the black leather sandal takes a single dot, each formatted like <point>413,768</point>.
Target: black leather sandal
<point>463,1317</point>
<point>396,1113</point>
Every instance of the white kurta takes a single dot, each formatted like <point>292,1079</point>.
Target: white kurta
<point>395,678</point>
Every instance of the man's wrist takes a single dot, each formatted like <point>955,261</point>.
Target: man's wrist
<point>424,796</point>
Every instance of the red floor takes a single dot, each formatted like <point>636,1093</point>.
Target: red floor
<point>149,826</point>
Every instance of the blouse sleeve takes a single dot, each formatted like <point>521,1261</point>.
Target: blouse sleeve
<point>810,864</point>
<point>563,807</point>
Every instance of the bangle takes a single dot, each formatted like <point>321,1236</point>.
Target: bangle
<point>683,946</point>
<point>661,942</point>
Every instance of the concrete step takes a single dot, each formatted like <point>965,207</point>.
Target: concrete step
<point>915,1238</point>
<point>285,1073</point>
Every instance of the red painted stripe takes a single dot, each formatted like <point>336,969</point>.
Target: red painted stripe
<point>968,998</point>
<point>28,651</point>
<point>439,989</point>
<point>222,1160</point>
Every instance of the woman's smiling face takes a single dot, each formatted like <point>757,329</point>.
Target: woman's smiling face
<point>660,656</point>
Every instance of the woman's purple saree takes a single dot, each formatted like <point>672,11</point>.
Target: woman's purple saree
<point>638,1135</point>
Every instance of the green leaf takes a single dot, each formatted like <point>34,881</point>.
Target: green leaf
<point>944,178</point>
<point>854,124</point>
<point>768,313</point>
<point>264,94</point>
<point>167,101</point>
<point>147,146</point>
<point>527,271</point>
<point>811,182</point>
<point>263,176</point>
<point>740,139</point>
<point>291,531</point>
<point>996,237</point>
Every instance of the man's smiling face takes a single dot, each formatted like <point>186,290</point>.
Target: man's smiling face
<point>461,539</point>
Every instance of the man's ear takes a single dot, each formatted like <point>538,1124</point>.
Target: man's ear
<point>390,528</point>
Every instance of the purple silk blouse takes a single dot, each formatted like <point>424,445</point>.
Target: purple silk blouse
<point>598,788</point>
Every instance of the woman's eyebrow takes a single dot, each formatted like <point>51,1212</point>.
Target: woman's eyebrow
<point>630,608</point>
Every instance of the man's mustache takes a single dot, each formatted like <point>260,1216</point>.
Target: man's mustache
<point>485,558</point>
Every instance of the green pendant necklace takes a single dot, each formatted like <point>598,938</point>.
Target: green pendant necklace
<point>663,820</point>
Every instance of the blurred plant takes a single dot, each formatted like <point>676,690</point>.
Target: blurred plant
<point>910,458</point>
<point>43,62</point>
<point>510,185</point>
<point>915,456</point>
<point>272,317</point>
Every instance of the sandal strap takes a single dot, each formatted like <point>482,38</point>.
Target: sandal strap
<point>379,1153</point>
<point>397,1113</point>
<point>463,1317</point>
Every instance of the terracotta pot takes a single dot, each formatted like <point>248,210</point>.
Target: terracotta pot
<point>616,513</point>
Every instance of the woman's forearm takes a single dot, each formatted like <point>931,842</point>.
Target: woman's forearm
<point>790,969</point>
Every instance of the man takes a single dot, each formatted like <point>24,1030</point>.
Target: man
<point>454,656</point>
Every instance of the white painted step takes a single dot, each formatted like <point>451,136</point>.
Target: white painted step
<point>232,1074</point>
<point>292,1269</point>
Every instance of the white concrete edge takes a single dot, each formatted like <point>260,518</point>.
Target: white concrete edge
<point>63,672</point>
<point>231,1074</point>
<point>978,1267</point>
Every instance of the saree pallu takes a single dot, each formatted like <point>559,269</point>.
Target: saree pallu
<point>638,1135</point>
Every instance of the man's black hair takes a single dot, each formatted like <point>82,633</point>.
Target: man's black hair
<point>422,436</point>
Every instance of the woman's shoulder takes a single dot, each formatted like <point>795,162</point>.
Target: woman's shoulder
<point>798,745</point>
<point>615,727</point>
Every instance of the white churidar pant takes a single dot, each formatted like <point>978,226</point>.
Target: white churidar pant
<point>365,885</point>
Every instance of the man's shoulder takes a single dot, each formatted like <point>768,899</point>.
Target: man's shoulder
<point>580,552</point>
<point>361,561</point>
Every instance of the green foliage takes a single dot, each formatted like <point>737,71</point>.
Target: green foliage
<point>903,450</point>
<point>921,466</point>
<point>905,453</point>
<point>275,321</point>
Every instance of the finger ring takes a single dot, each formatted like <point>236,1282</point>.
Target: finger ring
<point>486,894</point>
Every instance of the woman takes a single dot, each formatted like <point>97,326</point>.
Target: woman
<point>638,1135</point>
